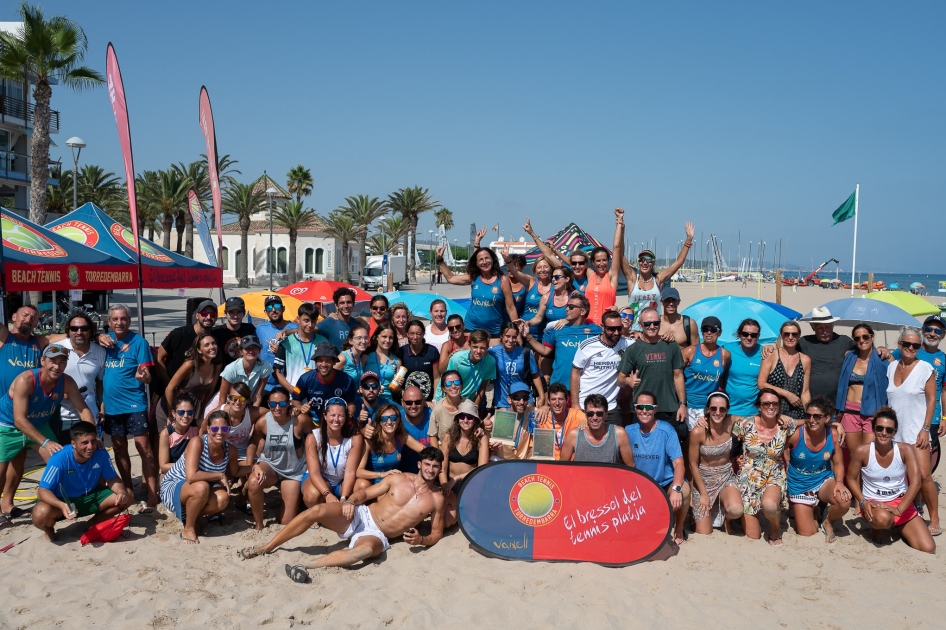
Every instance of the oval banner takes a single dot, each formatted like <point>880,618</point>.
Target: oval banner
<point>564,511</point>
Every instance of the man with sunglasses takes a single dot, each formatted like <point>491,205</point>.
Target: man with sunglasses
<point>595,366</point>
<point>370,401</point>
<point>315,387</point>
<point>563,342</point>
<point>228,334</point>
<point>173,350</point>
<point>86,367</point>
<point>599,442</point>
<point>934,328</point>
<point>268,330</point>
<point>655,365</point>
<point>416,423</point>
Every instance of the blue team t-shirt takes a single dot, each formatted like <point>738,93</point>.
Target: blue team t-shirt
<point>266,332</point>
<point>510,369</point>
<point>64,474</point>
<point>335,330</point>
<point>410,459</point>
<point>121,392</point>
<point>654,452</point>
<point>938,361</point>
<point>565,341</point>
<point>742,381</point>
<point>487,306</point>
<point>314,392</point>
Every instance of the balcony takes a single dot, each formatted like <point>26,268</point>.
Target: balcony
<point>15,168</point>
<point>19,110</point>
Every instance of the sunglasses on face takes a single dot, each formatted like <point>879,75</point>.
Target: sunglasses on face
<point>271,307</point>
<point>577,262</point>
<point>939,332</point>
<point>379,309</point>
<point>718,409</point>
<point>906,344</point>
<point>80,328</point>
<point>557,277</point>
<point>614,328</point>
<point>412,402</point>
<point>627,316</point>
<point>455,328</point>
<point>595,414</point>
<point>653,324</point>
<point>862,338</point>
<point>887,430</point>
<point>813,416</point>
<point>208,314</point>
<point>389,419</point>
<point>371,385</point>
<point>769,403</point>
<point>453,383</point>
<point>749,335</point>
<point>569,307</point>
<point>645,407</point>
<point>220,429</point>
<point>359,339</point>
<point>273,404</point>
<point>520,397</point>
<point>645,259</point>
<point>710,329</point>
<point>462,417</point>
<point>789,335</point>
<point>236,399</point>
<point>184,412</point>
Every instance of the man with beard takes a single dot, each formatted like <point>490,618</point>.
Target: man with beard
<point>19,348</point>
<point>401,503</point>
<point>171,353</point>
<point>86,366</point>
<point>228,334</point>
<point>595,366</point>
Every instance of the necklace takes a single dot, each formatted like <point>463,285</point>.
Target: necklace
<point>416,493</point>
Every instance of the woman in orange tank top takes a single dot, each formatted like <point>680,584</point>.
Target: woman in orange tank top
<point>602,289</point>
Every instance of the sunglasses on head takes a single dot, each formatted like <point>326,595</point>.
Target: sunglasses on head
<point>273,404</point>
<point>336,401</point>
<point>184,412</point>
<point>389,418</point>
<point>80,328</point>
<point>653,324</point>
<point>372,385</point>
<point>454,383</point>
<point>908,344</point>
<point>236,398</point>
<point>643,407</point>
<point>934,330</point>
<point>710,329</point>
<point>220,429</point>
<point>883,429</point>
<point>749,335</point>
<point>596,414</point>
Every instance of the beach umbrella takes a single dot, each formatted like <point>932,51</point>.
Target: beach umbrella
<point>880,315</point>
<point>917,285</point>
<point>731,310</point>
<point>321,291</point>
<point>784,310</point>
<point>894,286</point>
<point>254,305</point>
<point>912,304</point>
<point>419,303</point>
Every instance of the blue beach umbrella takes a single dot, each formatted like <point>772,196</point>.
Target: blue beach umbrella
<point>784,310</point>
<point>731,310</point>
<point>419,303</point>
<point>880,315</point>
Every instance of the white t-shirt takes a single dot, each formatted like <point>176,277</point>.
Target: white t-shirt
<point>599,365</point>
<point>909,400</point>
<point>434,339</point>
<point>234,373</point>
<point>84,370</point>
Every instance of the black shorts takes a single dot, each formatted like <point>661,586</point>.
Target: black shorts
<point>615,416</point>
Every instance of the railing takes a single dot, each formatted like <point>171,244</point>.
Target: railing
<point>16,108</point>
<point>16,167</point>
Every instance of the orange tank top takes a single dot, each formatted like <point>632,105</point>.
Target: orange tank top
<point>601,295</point>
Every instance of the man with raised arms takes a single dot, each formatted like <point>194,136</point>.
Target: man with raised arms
<point>403,501</point>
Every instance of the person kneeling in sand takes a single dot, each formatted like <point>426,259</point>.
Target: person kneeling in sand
<point>403,501</point>
<point>70,484</point>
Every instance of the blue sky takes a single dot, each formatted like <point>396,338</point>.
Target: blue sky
<point>738,116</point>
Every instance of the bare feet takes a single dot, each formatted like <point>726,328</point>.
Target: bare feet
<point>190,539</point>
<point>775,542</point>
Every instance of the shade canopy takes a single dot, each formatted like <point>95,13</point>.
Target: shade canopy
<point>912,304</point>
<point>566,240</point>
<point>321,291</point>
<point>36,259</point>
<point>732,309</point>
<point>255,305</point>
<point>160,268</point>
<point>880,315</point>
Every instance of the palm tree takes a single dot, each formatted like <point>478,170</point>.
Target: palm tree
<point>239,199</point>
<point>225,178</point>
<point>59,198</point>
<point>294,217</point>
<point>299,182</point>
<point>444,218</point>
<point>390,229</point>
<point>410,203</point>
<point>342,227</point>
<point>379,243</point>
<point>165,193</point>
<point>45,51</point>
<point>101,187</point>
<point>364,211</point>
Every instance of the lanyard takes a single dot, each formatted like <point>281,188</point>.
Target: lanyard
<point>306,357</point>
<point>356,365</point>
<point>335,457</point>
<point>559,435</point>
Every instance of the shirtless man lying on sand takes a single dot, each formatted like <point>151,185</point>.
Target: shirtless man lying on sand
<point>403,501</point>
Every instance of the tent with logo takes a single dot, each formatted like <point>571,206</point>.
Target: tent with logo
<point>37,259</point>
<point>160,268</point>
<point>566,241</point>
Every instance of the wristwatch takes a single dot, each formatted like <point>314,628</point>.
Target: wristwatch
<point>677,489</point>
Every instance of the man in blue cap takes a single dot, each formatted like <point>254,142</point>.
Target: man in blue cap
<point>673,325</point>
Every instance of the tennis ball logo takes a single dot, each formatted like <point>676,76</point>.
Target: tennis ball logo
<point>535,500</point>
<point>23,238</point>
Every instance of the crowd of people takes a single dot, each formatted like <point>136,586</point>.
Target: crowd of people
<point>369,426</point>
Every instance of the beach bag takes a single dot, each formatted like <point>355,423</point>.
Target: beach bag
<point>106,531</point>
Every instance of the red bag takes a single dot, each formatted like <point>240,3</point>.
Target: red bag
<point>106,531</point>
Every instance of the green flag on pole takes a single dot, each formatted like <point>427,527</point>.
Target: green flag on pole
<point>846,211</point>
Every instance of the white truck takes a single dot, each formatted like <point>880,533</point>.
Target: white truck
<point>372,278</point>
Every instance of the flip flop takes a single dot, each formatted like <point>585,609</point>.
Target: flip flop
<point>6,519</point>
<point>248,553</point>
<point>297,573</point>
<point>17,512</point>
<point>188,540</point>
<point>935,530</point>
<point>144,508</point>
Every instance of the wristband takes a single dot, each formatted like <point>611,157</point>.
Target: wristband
<point>349,503</point>
<point>43,445</point>
<point>861,504</point>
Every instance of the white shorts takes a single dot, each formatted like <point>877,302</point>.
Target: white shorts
<point>809,498</point>
<point>693,416</point>
<point>363,525</point>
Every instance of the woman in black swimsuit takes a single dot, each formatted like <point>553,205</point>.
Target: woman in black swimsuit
<point>464,448</point>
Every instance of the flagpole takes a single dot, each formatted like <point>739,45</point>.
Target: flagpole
<point>857,189</point>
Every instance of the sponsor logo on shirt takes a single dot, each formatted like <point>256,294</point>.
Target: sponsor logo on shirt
<point>655,357</point>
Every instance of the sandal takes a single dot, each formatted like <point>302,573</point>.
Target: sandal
<point>297,573</point>
<point>935,530</point>
<point>248,553</point>
<point>144,508</point>
<point>6,518</point>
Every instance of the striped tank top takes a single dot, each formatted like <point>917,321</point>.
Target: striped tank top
<point>178,471</point>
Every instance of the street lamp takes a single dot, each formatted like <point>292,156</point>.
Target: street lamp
<point>76,144</point>
<point>271,191</point>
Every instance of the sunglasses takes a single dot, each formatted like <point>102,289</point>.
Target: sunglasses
<point>455,328</point>
<point>645,259</point>
<point>614,328</point>
<point>576,262</point>
<point>379,309</point>
<point>718,409</point>
<point>520,397</point>
<point>769,403</point>
<point>208,314</point>
<point>184,412</point>
<point>749,335</point>
<point>887,430</point>
<point>814,416</point>
<point>371,385</point>
<point>596,414</point>
<point>390,419</point>
<point>569,307</point>
<point>412,402</point>
<point>220,429</point>
<point>453,383</point>
<point>710,329</point>
<point>273,404</point>
<point>789,335</point>
<point>80,328</point>
<point>235,398</point>
<point>270,307</point>
<point>939,332</point>
<point>862,338</point>
<point>466,416</point>
<point>627,316</point>
<point>654,324</point>
<point>645,407</point>
<point>907,344</point>
<point>55,351</point>
<point>557,276</point>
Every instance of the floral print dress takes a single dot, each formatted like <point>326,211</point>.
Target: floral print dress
<point>763,465</point>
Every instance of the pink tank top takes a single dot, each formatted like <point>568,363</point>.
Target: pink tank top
<point>601,295</point>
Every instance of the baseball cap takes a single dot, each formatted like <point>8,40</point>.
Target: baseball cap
<point>518,388</point>
<point>236,303</point>
<point>935,319</point>
<point>370,374</point>
<point>468,407</point>
<point>250,341</point>
<point>325,349</point>
<point>669,294</point>
<point>54,350</point>
<point>712,321</point>
<point>206,304</point>
<point>272,299</point>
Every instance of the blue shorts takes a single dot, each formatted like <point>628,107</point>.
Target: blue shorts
<point>127,424</point>
<point>336,490</point>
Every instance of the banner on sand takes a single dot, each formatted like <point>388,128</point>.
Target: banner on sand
<point>564,511</point>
